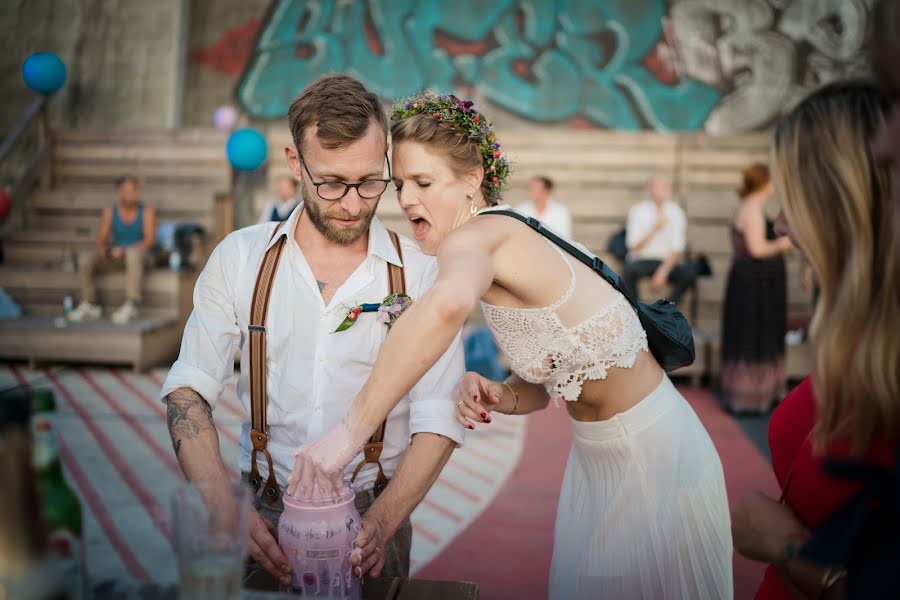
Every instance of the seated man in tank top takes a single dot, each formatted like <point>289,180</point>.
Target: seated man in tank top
<point>127,233</point>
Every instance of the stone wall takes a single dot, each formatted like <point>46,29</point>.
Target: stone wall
<point>125,60</point>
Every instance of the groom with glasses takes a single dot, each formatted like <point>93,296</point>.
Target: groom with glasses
<point>335,254</point>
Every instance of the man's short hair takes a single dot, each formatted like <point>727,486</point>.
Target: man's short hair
<point>341,109</point>
<point>126,179</point>
<point>546,181</point>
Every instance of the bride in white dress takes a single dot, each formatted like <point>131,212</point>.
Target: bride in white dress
<point>643,511</point>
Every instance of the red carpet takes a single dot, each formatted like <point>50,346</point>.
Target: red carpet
<point>507,549</point>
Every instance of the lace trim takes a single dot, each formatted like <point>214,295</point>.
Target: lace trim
<point>542,350</point>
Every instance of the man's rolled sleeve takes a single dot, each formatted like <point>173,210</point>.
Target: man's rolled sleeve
<point>206,361</point>
<point>432,408</point>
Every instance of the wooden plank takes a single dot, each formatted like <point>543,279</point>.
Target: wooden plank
<point>709,238</point>
<point>113,151</point>
<point>595,157</point>
<point>109,298</point>
<point>417,589</point>
<point>706,204</point>
<point>158,279</point>
<point>382,588</point>
<point>184,134</point>
<point>55,310</point>
<point>172,170</point>
<point>175,198</point>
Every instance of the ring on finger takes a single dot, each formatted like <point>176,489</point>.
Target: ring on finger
<point>459,403</point>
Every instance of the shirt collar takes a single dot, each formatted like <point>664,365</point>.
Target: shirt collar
<point>380,244</point>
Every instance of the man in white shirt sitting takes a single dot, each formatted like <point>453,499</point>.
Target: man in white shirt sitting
<point>655,236</point>
<point>334,257</point>
<point>280,208</point>
<point>545,209</point>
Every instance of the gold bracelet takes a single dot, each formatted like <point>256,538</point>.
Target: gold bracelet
<point>515,396</point>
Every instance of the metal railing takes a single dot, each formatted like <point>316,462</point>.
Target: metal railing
<point>38,166</point>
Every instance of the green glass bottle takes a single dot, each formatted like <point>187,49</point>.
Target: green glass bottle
<point>60,506</point>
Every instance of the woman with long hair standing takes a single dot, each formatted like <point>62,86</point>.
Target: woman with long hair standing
<point>837,207</point>
<point>755,317</point>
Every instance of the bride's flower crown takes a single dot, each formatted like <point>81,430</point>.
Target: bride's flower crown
<point>459,113</point>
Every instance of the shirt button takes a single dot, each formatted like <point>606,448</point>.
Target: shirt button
<point>317,407</point>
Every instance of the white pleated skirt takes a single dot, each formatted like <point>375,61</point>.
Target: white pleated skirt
<point>643,511</point>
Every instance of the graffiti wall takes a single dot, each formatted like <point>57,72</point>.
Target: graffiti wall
<point>718,65</point>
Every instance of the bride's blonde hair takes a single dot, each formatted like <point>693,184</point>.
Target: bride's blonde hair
<point>837,200</point>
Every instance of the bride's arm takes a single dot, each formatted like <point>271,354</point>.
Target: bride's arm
<point>416,341</point>
<point>422,334</point>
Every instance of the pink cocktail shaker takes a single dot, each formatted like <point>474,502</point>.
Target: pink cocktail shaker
<point>317,538</point>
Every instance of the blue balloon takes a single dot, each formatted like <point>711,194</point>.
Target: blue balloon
<point>246,149</point>
<point>44,72</point>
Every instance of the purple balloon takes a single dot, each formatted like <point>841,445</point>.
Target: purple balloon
<point>225,117</point>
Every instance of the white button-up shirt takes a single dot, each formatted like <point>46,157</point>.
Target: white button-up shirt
<point>671,238</point>
<point>313,373</point>
<point>555,216</point>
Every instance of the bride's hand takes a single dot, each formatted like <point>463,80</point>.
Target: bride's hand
<point>318,467</point>
<point>476,397</point>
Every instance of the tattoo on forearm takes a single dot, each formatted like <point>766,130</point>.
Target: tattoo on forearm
<point>188,415</point>
<point>322,285</point>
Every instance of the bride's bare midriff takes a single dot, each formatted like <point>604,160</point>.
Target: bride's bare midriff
<point>602,399</point>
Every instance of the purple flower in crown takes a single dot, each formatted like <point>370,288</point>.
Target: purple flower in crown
<point>408,105</point>
<point>463,105</point>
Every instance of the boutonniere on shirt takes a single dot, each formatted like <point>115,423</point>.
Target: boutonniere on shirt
<point>388,311</point>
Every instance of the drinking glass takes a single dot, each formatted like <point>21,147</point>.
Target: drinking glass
<point>210,533</point>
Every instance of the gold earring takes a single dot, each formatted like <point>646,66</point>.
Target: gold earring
<point>472,209</point>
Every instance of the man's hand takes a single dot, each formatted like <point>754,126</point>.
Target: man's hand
<point>116,252</point>
<point>661,221</point>
<point>265,550</point>
<point>660,276</point>
<point>368,556</point>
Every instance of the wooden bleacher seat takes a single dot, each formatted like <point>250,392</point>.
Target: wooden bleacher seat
<point>183,173</point>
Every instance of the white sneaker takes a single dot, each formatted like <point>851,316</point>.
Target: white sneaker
<point>85,312</point>
<point>125,313</point>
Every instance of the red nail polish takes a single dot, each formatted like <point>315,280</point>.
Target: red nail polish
<point>484,415</point>
<point>475,398</point>
<point>470,426</point>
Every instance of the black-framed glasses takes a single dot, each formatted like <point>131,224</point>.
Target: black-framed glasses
<point>335,190</point>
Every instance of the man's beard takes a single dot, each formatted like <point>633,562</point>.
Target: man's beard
<point>336,233</point>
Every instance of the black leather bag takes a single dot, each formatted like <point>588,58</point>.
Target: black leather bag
<point>668,333</point>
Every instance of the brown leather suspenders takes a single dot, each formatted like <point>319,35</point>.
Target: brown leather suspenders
<point>259,399</point>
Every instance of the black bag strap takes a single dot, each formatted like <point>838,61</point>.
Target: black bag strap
<point>593,262</point>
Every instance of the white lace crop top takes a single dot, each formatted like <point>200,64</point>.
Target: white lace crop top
<point>542,350</point>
